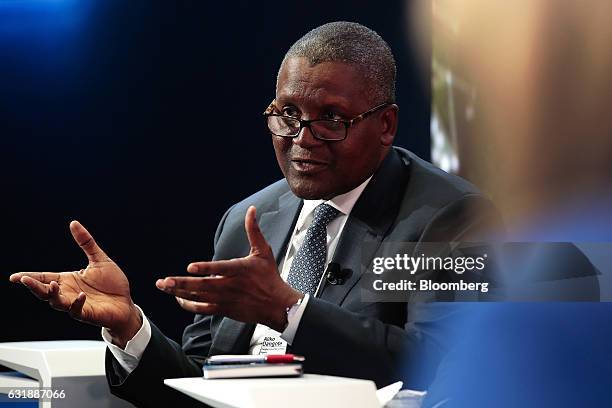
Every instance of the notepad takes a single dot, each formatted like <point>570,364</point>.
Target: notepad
<point>253,370</point>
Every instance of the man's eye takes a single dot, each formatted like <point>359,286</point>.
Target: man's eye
<point>332,115</point>
<point>289,111</point>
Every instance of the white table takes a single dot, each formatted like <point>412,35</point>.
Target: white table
<point>308,391</point>
<point>74,366</point>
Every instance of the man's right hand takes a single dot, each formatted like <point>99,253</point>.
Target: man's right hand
<point>98,294</point>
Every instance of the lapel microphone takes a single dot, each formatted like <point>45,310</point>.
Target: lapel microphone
<point>335,275</point>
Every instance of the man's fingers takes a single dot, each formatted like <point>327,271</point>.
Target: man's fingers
<point>192,283</point>
<point>55,289</point>
<point>47,292</point>
<point>84,239</point>
<point>76,308</point>
<point>198,307</point>
<point>258,242</point>
<point>226,267</point>
<point>44,277</point>
<point>200,296</point>
<point>209,290</point>
<point>39,289</point>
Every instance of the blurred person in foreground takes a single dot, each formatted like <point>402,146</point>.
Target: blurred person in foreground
<point>534,131</point>
<point>333,122</point>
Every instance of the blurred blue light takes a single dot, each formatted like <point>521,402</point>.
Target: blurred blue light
<point>33,16</point>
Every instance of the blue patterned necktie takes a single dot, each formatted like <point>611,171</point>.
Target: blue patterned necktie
<point>309,262</point>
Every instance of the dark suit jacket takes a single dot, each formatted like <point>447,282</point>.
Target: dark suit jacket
<point>408,199</point>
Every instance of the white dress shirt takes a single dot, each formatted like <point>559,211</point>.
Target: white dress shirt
<point>129,357</point>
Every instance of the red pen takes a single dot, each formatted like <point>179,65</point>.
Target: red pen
<point>282,358</point>
<point>247,359</point>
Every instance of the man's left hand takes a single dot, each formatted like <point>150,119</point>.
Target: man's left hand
<point>247,289</point>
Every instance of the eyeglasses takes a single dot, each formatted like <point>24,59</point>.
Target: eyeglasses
<point>322,129</point>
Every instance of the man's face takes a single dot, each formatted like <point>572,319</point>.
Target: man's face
<point>317,169</point>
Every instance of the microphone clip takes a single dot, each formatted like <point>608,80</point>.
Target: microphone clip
<point>335,275</point>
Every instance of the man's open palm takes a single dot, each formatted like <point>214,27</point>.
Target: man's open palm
<point>98,294</point>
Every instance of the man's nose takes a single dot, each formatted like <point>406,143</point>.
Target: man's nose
<point>306,139</point>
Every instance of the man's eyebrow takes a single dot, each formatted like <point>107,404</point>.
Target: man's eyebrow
<point>336,105</point>
<point>283,100</point>
<point>330,104</point>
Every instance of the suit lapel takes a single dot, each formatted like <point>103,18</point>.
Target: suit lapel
<point>277,226</point>
<point>371,218</point>
<point>233,337</point>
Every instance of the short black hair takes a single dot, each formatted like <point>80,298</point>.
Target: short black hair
<point>351,43</point>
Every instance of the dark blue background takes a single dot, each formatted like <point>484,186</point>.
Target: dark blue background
<point>142,120</point>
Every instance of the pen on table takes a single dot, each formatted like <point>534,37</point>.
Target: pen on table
<point>246,359</point>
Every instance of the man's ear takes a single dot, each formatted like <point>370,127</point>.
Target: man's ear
<point>388,119</point>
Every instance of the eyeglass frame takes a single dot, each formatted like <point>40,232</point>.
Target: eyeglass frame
<point>305,123</point>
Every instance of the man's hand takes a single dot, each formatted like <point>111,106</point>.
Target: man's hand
<point>98,294</point>
<point>248,289</point>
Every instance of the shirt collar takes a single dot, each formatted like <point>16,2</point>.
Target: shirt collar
<point>343,203</point>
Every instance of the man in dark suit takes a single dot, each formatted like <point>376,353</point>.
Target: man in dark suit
<point>333,122</point>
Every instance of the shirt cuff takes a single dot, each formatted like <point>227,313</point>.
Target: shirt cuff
<point>294,322</point>
<point>129,357</point>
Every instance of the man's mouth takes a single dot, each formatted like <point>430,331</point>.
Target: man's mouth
<point>308,166</point>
